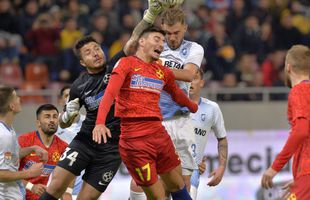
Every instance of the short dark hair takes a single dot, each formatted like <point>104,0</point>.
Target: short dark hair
<point>80,43</point>
<point>62,90</point>
<point>152,29</point>
<point>6,94</point>
<point>45,107</point>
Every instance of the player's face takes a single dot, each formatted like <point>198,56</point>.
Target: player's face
<point>92,56</point>
<point>154,45</point>
<point>174,34</point>
<point>48,122</point>
<point>196,85</point>
<point>63,99</point>
<point>15,104</point>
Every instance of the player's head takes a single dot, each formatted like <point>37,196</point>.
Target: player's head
<point>64,95</point>
<point>297,63</point>
<point>90,54</point>
<point>47,119</point>
<point>151,43</point>
<point>9,101</point>
<point>197,83</point>
<point>174,25</point>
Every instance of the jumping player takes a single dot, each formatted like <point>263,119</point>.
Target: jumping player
<point>184,58</point>
<point>100,161</point>
<point>145,147</point>
<point>208,118</point>
<point>297,71</point>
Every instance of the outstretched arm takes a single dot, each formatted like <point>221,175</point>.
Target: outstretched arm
<point>155,7</point>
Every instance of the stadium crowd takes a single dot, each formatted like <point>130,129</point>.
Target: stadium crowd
<point>244,41</point>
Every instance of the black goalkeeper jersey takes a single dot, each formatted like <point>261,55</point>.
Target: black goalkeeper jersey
<point>89,88</point>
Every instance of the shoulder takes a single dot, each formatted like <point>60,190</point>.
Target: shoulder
<point>27,135</point>
<point>26,138</point>
<point>123,61</point>
<point>193,46</point>
<point>209,105</point>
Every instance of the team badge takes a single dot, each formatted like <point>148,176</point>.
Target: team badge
<point>55,156</point>
<point>203,117</point>
<point>7,157</point>
<point>106,78</point>
<point>160,74</point>
<point>292,197</point>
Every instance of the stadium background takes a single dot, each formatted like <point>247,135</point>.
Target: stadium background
<point>244,40</point>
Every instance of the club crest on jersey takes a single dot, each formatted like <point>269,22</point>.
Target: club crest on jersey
<point>106,78</point>
<point>160,74</point>
<point>55,156</point>
<point>142,82</point>
<point>7,157</point>
<point>203,117</point>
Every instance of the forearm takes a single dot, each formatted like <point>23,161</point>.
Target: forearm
<point>222,149</point>
<point>25,151</point>
<point>8,176</point>
<point>298,135</point>
<point>186,74</point>
<point>131,46</point>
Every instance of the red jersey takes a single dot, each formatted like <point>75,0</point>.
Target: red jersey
<point>137,86</point>
<point>298,143</point>
<point>54,152</point>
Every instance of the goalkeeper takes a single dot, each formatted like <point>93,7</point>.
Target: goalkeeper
<point>100,161</point>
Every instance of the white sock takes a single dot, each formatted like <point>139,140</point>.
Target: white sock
<point>137,195</point>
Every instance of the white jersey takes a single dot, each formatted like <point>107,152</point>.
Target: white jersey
<point>188,52</point>
<point>67,134</point>
<point>9,160</point>
<point>208,117</point>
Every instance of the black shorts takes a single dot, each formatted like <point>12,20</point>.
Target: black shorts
<point>100,163</point>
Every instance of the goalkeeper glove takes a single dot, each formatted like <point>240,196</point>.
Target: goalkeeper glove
<point>72,110</point>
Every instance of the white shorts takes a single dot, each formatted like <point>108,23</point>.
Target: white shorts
<point>182,135</point>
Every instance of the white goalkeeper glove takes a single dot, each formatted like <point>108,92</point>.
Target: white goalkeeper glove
<point>155,7</point>
<point>72,110</point>
<point>170,3</point>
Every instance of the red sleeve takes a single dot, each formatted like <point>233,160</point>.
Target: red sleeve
<point>115,83</point>
<point>298,101</point>
<point>298,135</point>
<point>24,139</point>
<point>177,94</point>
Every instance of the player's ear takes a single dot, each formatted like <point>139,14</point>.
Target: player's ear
<point>185,27</point>
<point>202,83</point>
<point>142,41</point>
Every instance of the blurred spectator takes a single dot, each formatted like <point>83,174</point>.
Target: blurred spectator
<point>220,54</point>
<point>111,11</point>
<point>119,43</point>
<point>68,36</point>
<point>267,44</point>
<point>79,12</point>
<point>100,23</point>
<point>272,67</point>
<point>28,16</point>
<point>230,81</point>
<point>262,11</point>
<point>236,15</point>
<point>287,34</point>
<point>246,69</point>
<point>8,21</point>
<point>247,37</point>
<point>299,20</point>
<point>42,41</point>
<point>9,47</point>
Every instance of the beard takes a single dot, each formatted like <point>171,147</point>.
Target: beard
<point>49,131</point>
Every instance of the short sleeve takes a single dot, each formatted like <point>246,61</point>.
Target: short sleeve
<point>122,67</point>
<point>219,125</point>
<point>299,107</point>
<point>195,56</point>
